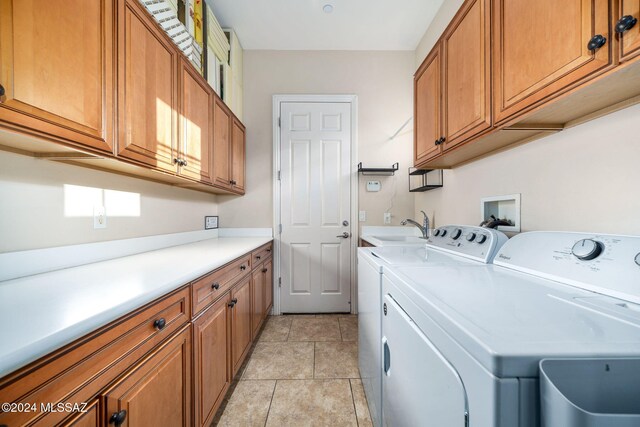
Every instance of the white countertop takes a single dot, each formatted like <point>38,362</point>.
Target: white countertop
<point>44,312</point>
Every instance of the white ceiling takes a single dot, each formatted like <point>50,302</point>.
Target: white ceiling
<point>302,24</point>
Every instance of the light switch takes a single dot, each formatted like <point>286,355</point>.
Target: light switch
<point>387,217</point>
<point>362,216</point>
<point>99,217</point>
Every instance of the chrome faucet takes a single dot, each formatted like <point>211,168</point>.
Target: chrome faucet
<point>424,228</point>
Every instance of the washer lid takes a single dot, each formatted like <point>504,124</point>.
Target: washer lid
<point>508,321</point>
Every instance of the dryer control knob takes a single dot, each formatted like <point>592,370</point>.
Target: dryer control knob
<point>436,232</point>
<point>443,232</point>
<point>456,234</point>
<point>471,237</point>
<point>587,249</point>
<point>481,239</point>
<point>638,259</point>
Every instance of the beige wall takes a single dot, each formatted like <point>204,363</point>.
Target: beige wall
<point>32,205</point>
<point>585,178</point>
<point>383,83</point>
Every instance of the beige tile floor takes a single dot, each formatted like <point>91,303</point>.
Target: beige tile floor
<point>302,371</point>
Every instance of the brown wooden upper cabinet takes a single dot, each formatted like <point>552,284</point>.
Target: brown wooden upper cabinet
<point>147,73</point>
<point>195,154</point>
<point>56,70</point>
<point>466,89</point>
<point>541,48</point>
<point>628,29</point>
<point>222,118</point>
<point>237,156</point>
<point>453,85</point>
<point>427,110</point>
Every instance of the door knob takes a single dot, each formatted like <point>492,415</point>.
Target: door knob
<point>344,235</point>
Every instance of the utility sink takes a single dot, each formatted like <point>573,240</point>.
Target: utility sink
<point>590,392</point>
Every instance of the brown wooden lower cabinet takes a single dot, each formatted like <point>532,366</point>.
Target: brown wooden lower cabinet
<point>211,360</point>
<point>133,372</point>
<point>268,300</point>
<point>240,322</point>
<point>89,418</point>
<point>258,291</point>
<point>157,392</point>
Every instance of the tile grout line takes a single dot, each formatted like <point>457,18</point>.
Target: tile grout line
<point>273,392</point>
<point>353,400</point>
<point>314,361</point>
<point>340,329</point>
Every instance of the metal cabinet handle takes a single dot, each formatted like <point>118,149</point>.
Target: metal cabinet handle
<point>626,23</point>
<point>258,257</point>
<point>596,42</point>
<point>159,324</point>
<point>243,267</point>
<point>215,286</point>
<point>264,270</point>
<point>117,418</point>
<point>387,358</point>
<point>344,235</point>
<point>233,302</point>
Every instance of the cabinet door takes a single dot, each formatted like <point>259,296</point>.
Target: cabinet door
<point>240,322</point>
<point>221,144</point>
<point>237,156</point>
<point>427,102</point>
<point>630,39</point>
<point>539,49</point>
<point>212,352</point>
<point>156,392</point>
<point>268,287</point>
<point>467,73</point>
<point>147,65</point>
<point>258,297</point>
<point>89,418</point>
<point>56,68</point>
<point>196,125</point>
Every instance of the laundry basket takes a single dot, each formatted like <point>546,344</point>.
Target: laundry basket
<point>590,392</point>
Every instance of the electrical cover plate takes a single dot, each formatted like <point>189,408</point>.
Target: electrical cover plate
<point>210,222</point>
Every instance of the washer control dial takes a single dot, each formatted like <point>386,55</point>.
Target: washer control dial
<point>481,239</point>
<point>638,259</point>
<point>443,233</point>
<point>471,237</point>
<point>436,232</point>
<point>456,234</point>
<point>587,249</point>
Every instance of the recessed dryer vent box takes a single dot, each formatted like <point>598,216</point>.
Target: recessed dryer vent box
<point>502,207</point>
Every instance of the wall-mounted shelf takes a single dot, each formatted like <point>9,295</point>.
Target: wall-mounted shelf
<point>378,171</point>
<point>424,179</point>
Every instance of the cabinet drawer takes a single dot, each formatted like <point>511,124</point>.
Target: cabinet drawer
<point>261,254</point>
<point>77,372</point>
<point>204,290</point>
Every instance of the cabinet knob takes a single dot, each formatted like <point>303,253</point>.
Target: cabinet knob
<point>264,270</point>
<point>184,162</point>
<point>626,23</point>
<point>176,161</point>
<point>269,250</point>
<point>159,324</point>
<point>117,418</point>
<point>258,257</point>
<point>243,267</point>
<point>215,286</point>
<point>232,182</point>
<point>233,302</point>
<point>2,92</point>
<point>596,42</point>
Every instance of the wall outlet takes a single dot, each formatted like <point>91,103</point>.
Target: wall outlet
<point>99,217</point>
<point>362,216</point>
<point>210,222</point>
<point>387,217</point>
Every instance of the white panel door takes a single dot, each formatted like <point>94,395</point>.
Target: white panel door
<point>315,150</point>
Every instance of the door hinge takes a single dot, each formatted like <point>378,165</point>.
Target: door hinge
<point>279,122</point>
<point>280,228</point>
<point>279,282</point>
<point>279,177</point>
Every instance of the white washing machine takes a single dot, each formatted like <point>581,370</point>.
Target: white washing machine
<point>462,346</point>
<point>450,245</point>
